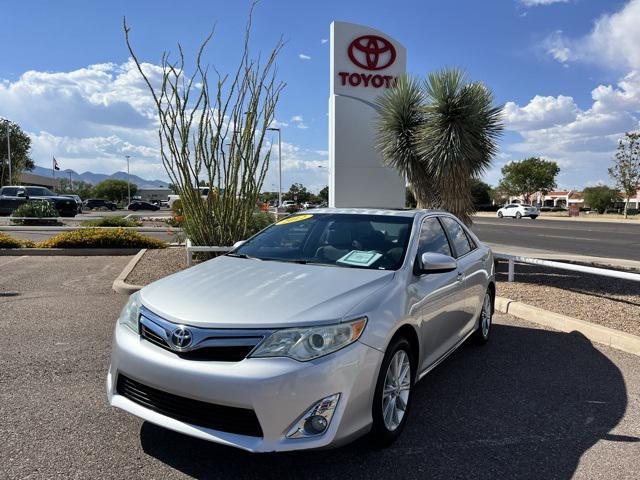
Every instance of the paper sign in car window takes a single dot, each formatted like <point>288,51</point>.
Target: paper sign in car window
<point>359,258</point>
<point>295,218</point>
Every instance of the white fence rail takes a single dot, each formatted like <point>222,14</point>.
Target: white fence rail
<point>513,259</point>
<point>191,249</point>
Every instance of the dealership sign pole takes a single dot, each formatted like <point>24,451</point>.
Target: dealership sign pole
<point>364,62</point>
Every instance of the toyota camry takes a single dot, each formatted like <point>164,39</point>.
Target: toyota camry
<point>312,333</point>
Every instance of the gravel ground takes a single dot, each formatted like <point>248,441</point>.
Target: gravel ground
<point>606,301</point>
<point>156,264</point>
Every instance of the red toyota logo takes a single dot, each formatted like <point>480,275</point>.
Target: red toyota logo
<point>372,52</point>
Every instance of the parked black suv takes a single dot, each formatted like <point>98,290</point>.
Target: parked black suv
<point>99,203</point>
<point>11,197</point>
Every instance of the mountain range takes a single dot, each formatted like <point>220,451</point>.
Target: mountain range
<point>94,178</point>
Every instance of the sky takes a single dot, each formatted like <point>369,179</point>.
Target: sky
<point>566,71</point>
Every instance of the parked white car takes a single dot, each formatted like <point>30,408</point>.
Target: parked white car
<point>204,192</point>
<point>519,210</point>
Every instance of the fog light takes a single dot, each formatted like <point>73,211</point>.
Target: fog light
<point>315,425</point>
<point>315,421</point>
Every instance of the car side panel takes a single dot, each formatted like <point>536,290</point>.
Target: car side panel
<point>476,280</point>
<point>441,307</point>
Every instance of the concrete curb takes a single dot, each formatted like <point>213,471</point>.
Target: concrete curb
<point>71,252</point>
<point>596,333</point>
<point>120,285</point>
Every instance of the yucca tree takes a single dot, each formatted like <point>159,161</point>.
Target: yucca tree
<point>440,134</point>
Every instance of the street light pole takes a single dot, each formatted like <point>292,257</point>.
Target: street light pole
<point>9,151</point>
<point>128,180</point>
<point>279,164</point>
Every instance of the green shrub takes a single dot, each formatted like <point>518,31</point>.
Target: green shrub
<point>43,211</point>
<point>176,221</point>
<point>112,222</point>
<point>9,242</point>
<point>101,238</point>
<point>176,208</point>
<point>259,221</point>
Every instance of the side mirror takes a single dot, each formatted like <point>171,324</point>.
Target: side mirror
<point>21,194</point>
<point>238,244</point>
<point>430,262</point>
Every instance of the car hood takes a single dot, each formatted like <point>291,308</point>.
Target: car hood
<point>230,292</point>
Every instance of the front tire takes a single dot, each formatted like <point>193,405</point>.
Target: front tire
<point>518,215</point>
<point>500,215</point>
<point>394,392</point>
<point>482,333</point>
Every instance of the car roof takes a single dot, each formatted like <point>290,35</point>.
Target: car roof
<point>399,212</point>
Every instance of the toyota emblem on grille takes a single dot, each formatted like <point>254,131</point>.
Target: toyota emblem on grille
<point>181,337</point>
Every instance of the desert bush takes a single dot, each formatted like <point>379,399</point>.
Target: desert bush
<point>111,222</point>
<point>176,208</point>
<point>9,242</point>
<point>259,221</point>
<point>101,238</point>
<point>43,211</point>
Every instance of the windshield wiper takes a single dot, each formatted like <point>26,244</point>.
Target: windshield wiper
<point>241,255</point>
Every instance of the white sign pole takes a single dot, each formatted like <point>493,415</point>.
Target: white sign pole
<point>364,62</point>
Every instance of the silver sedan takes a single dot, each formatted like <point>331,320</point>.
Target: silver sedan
<point>310,334</point>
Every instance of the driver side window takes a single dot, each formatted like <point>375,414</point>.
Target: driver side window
<point>433,238</point>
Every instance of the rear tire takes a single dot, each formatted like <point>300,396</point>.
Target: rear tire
<point>500,215</point>
<point>394,393</point>
<point>482,333</point>
<point>518,215</point>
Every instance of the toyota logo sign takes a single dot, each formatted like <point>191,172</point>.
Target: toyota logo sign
<point>372,52</point>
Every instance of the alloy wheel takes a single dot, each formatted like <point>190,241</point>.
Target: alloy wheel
<point>397,387</point>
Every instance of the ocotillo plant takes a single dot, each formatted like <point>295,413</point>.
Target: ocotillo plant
<point>213,134</point>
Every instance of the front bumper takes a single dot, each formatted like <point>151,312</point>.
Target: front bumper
<point>279,390</point>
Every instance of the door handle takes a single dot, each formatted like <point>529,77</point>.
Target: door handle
<point>460,276</point>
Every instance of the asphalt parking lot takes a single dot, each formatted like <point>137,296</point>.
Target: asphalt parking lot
<point>533,403</point>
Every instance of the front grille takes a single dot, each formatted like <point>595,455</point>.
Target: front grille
<point>241,421</point>
<point>219,345</point>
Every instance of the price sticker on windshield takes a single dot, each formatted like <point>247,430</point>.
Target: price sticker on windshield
<point>359,258</point>
<point>295,218</point>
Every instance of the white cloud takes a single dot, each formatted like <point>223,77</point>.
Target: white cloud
<point>324,40</point>
<point>582,141</point>
<point>298,165</point>
<point>613,41</point>
<point>90,118</point>
<point>302,56</point>
<point>535,3</point>
<point>298,121</point>
<point>540,112</point>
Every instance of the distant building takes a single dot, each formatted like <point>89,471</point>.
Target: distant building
<point>152,195</point>
<point>27,178</point>
<point>566,198</point>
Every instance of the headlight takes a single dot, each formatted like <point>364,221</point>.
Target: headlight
<point>130,312</point>
<point>308,343</point>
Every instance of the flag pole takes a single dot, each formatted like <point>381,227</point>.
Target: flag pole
<point>53,172</point>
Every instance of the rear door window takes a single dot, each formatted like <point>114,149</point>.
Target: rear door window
<point>461,242</point>
<point>9,191</point>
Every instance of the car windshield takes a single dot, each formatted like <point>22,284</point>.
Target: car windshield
<point>39,192</point>
<point>343,240</point>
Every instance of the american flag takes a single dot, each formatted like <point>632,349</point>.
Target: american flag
<point>55,164</point>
